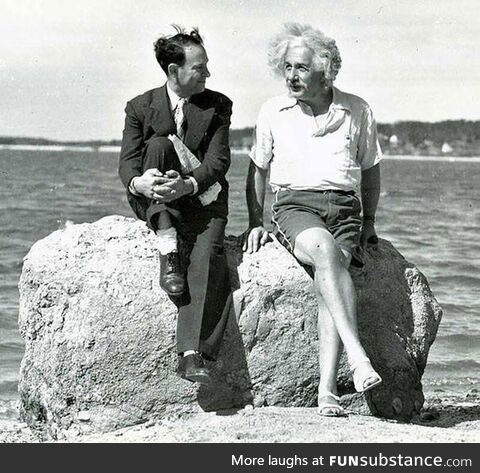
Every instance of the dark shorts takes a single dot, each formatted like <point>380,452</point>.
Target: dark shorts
<point>337,211</point>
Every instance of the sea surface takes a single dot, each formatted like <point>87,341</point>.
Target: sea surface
<point>429,209</point>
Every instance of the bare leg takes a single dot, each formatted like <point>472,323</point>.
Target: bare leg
<point>164,221</point>
<point>328,356</point>
<point>329,350</point>
<point>316,246</point>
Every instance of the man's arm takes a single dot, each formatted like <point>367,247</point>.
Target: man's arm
<point>130,164</point>
<point>216,161</point>
<point>370,190</point>
<point>256,235</point>
<point>150,184</point>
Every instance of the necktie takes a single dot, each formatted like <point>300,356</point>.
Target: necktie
<point>180,118</point>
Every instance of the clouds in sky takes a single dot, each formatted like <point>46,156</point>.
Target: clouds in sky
<point>67,67</point>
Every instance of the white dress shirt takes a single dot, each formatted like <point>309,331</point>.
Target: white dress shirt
<point>325,152</point>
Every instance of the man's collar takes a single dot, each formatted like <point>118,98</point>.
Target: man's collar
<point>339,101</point>
<point>286,102</point>
<point>174,98</point>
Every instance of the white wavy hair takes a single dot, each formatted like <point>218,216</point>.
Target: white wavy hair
<point>326,54</point>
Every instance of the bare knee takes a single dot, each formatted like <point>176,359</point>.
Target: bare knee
<point>319,252</point>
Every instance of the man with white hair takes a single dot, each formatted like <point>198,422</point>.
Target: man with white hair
<point>320,145</point>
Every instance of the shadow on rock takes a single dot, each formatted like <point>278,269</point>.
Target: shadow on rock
<point>100,334</point>
<point>231,386</point>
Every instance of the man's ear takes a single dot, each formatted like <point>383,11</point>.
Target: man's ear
<point>172,69</point>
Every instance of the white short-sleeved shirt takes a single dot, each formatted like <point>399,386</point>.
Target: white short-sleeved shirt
<point>305,152</point>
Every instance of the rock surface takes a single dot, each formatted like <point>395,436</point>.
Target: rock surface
<point>100,334</point>
<point>445,419</point>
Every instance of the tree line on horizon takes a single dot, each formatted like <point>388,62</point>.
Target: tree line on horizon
<point>454,137</point>
<point>449,137</point>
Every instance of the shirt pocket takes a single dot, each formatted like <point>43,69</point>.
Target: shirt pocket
<point>342,149</point>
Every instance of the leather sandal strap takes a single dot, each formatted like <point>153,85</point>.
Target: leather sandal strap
<point>357,363</point>
<point>324,392</point>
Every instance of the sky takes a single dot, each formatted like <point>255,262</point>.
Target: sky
<point>67,68</point>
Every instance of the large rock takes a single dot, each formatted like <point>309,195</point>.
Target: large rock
<point>100,334</point>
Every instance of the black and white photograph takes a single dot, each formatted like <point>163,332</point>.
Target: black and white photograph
<point>240,222</point>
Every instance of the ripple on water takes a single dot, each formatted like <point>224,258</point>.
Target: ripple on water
<point>434,224</point>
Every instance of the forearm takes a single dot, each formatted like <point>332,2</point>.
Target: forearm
<point>216,160</point>
<point>213,168</point>
<point>370,190</point>
<point>255,193</point>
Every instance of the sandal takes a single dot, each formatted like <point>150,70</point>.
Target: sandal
<point>329,409</point>
<point>362,372</point>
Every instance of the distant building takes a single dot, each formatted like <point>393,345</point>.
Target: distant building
<point>446,148</point>
<point>393,140</point>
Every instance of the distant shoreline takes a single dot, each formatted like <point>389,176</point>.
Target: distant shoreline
<point>55,147</point>
<point>235,150</point>
<point>447,138</point>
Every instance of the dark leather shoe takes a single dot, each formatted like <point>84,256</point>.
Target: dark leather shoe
<point>192,368</point>
<point>172,280</point>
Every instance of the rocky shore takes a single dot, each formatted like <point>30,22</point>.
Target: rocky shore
<point>100,334</point>
<point>99,363</point>
<point>445,419</point>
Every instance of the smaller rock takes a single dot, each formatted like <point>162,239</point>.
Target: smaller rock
<point>473,393</point>
<point>74,431</point>
<point>83,416</point>
<point>397,405</point>
<point>428,416</point>
<point>260,402</point>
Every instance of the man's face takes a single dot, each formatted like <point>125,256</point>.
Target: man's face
<point>192,76</point>
<point>304,81</point>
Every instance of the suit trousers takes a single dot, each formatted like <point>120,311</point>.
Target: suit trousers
<point>203,308</point>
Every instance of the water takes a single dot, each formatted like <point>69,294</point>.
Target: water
<point>429,209</point>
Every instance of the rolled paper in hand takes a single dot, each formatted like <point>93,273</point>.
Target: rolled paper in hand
<point>189,162</point>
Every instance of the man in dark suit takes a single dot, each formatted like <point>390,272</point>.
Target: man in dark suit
<point>168,198</point>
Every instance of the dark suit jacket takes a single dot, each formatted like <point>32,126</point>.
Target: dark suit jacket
<point>207,118</point>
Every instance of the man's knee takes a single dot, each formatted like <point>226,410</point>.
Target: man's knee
<point>160,154</point>
<point>159,145</point>
<point>316,247</point>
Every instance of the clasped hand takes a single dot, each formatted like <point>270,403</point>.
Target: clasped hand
<point>162,187</point>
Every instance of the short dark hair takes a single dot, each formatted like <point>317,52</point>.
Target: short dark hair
<point>171,49</point>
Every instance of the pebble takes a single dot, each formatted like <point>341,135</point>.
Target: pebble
<point>429,415</point>
<point>83,416</point>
